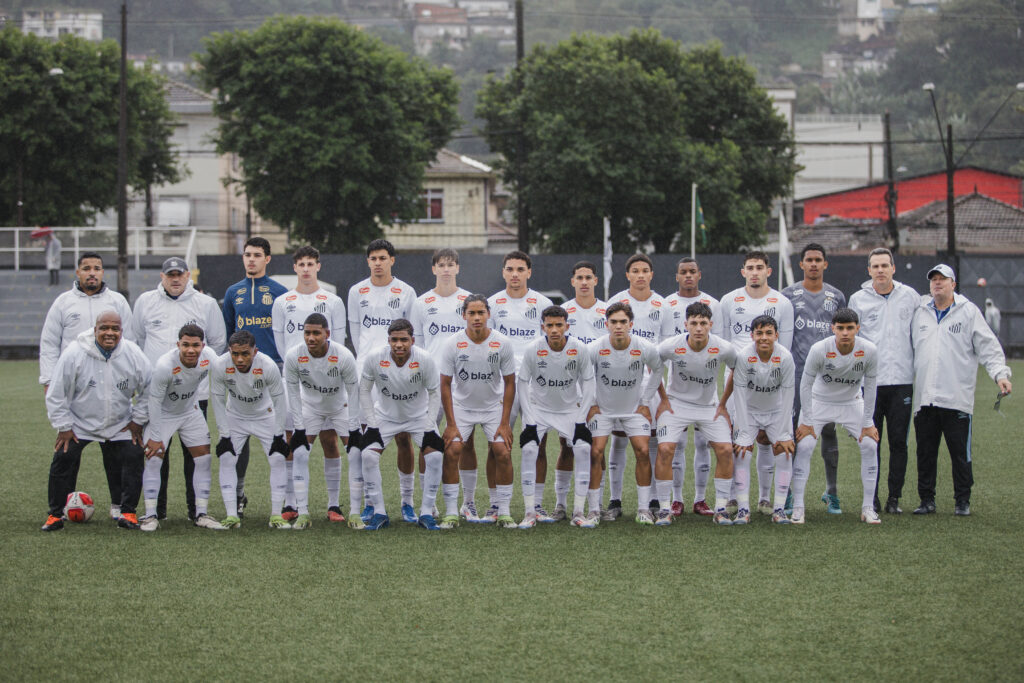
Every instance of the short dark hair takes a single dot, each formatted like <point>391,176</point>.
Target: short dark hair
<point>554,312</point>
<point>813,246</point>
<point>644,258</point>
<point>444,254</point>
<point>475,297</point>
<point>377,245</point>
<point>400,325</point>
<point>89,254</point>
<point>306,252</point>
<point>882,251</point>
<point>619,306</point>
<point>520,255</point>
<point>316,319</point>
<point>584,264</point>
<point>845,315</point>
<point>698,309</point>
<point>687,259</point>
<point>260,243</point>
<point>757,256</point>
<point>191,330</point>
<point>242,338</point>
<point>764,321</point>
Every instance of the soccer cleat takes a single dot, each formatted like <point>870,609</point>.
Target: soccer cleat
<point>892,506</point>
<point>831,503</point>
<point>232,522</point>
<point>701,508</point>
<point>52,523</point>
<point>128,520</point>
<point>529,521</point>
<point>962,510</point>
<point>779,517</point>
<point>797,517</point>
<point>594,517</point>
<point>367,514</point>
<point>115,511</point>
<point>205,521</point>
<point>584,522</point>
<point>468,511</point>
<point>742,517</point>
<point>506,521</point>
<point>644,517</point>
<point>449,522</point>
<point>927,507</point>
<point>279,522</point>
<point>356,522</point>
<point>678,508</point>
<point>491,516</point>
<point>378,522</point>
<point>542,515</point>
<point>764,507</point>
<point>788,507</point>
<point>334,514</point>
<point>243,501</point>
<point>289,513</point>
<point>559,513</point>
<point>302,522</point>
<point>663,518</point>
<point>613,511</point>
<point>428,522</point>
<point>869,515</point>
<point>149,523</point>
<point>731,507</point>
<point>408,514</point>
<point>721,518</point>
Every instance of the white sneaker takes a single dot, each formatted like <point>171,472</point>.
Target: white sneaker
<point>869,515</point>
<point>149,523</point>
<point>797,517</point>
<point>205,521</point>
<point>529,521</point>
<point>558,514</point>
<point>584,522</point>
<point>115,512</point>
<point>542,515</point>
<point>468,511</point>
<point>765,507</point>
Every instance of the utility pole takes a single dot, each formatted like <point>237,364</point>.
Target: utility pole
<point>954,257</point>
<point>892,229</point>
<point>523,222</point>
<point>122,161</point>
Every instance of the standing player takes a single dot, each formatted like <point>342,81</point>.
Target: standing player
<point>407,401</point>
<point>622,401</point>
<point>886,310</point>
<point>836,371</point>
<point>437,313</point>
<point>248,400</point>
<point>556,390</point>
<point>321,381</point>
<point>178,378</point>
<point>688,277</point>
<point>691,401</point>
<point>478,387</point>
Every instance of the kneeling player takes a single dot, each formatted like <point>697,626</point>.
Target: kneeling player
<point>248,400</point>
<point>323,399</point>
<point>830,391</point>
<point>407,390</point>
<point>691,399</point>
<point>174,407</point>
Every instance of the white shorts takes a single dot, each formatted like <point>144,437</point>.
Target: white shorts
<point>770,423</point>
<point>633,425</point>
<point>488,420</point>
<point>241,428</point>
<point>389,430</point>
<point>672,426</point>
<point>316,423</point>
<point>563,423</point>
<point>191,428</point>
<point>848,415</point>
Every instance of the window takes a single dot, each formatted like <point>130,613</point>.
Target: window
<point>433,205</point>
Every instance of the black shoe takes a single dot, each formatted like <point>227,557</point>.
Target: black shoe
<point>878,506</point>
<point>962,510</point>
<point>892,506</point>
<point>192,514</point>
<point>654,505</point>
<point>53,523</point>
<point>927,507</point>
<point>128,521</point>
<point>242,502</point>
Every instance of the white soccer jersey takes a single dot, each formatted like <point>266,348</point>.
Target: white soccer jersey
<point>325,386</point>
<point>518,319</point>
<point>836,379</point>
<point>763,387</point>
<point>586,324</point>
<point>620,375</point>
<point>175,388</point>
<point>556,380</point>
<point>434,318</point>
<point>371,310</point>
<point>693,375</point>
<point>677,304</point>
<point>652,319</point>
<point>739,309</point>
<point>406,394</point>
<point>238,397</point>
<point>291,309</point>
<point>478,370</point>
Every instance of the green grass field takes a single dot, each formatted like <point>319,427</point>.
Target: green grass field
<point>914,599</point>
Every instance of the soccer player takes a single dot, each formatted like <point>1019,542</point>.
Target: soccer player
<point>652,322</point>
<point>437,313</point>
<point>886,308</point>
<point>248,305</point>
<point>622,401</point>
<point>950,339</point>
<point>688,278</point>
<point>71,314</point>
<point>836,371</point>
<point>90,398</point>
<point>556,390</point>
<point>248,400</point>
<point>321,381</point>
<point>406,379</point>
<point>159,316</point>
<point>739,308</point>
<point>814,303</point>
<point>762,388</point>
<point>478,387</point>
<point>179,376</point>
<point>691,400</point>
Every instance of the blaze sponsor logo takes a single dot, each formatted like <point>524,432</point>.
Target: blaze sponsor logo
<point>495,345</point>
<point>604,352</point>
<point>332,359</point>
<point>176,370</point>
<point>501,300</point>
<point>258,371</point>
<point>542,352</point>
<point>858,354</point>
<point>462,345</point>
<point>291,297</point>
<point>303,359</point>
<point>364,290</point>
<point>252,321</point>
<point>203,363</point>
<point>385,364</point>
<point>830,354</point>
<point>396,290</point>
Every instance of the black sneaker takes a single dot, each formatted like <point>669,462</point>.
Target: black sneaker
<point>242,502</point>
<point>613,512</point>
<point>128,520</point>
<point>892,506</point>
<point>53,523</point>
<point>927,507</point>
<point>962,510</point>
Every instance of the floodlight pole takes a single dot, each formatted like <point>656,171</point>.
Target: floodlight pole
<point>122,161</point>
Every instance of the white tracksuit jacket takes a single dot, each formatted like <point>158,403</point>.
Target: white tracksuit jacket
<point>885,321</point>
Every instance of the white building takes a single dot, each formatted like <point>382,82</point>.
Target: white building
<point>857,160</point>
<point>54,23</point>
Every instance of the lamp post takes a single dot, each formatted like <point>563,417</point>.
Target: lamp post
<point>122,161</point>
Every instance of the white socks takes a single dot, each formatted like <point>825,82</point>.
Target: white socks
<point>278,482</point>
<point>151,484</point>
<point>468,479</point>
<point>563,479</point>
<point>300,479</point>
<point>616,465</point>
<point>431,481</point>
<point>332,479</point>
<point>723,488</point>
<point>528,474</point>
<point>678,471</point>
<point>765,469</point>
<point>783,476</point>
<point>228,481</point>
<point>372,481</point>
<point>741,476</point>
<point>407,487</point>
<point>868,470</point>
<point>802,468</point>
<point>201,477</point>
<point>701,466</point>
<point>581,474</point>
<point>355,481</point>
<point>289,493</point>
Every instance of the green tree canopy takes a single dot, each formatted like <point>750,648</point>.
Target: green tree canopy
<point>622,126</point>
<point>333,127</point>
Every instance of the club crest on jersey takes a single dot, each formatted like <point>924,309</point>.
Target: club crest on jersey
<point>303,359</point>
<point>776,374</point>
<point>531,314</point>
<point>858,354</point>
<point>394,303</point>
<point>858,366</point>
<point>258,384</point>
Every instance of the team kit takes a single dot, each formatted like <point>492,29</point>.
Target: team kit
<point>759,376</point>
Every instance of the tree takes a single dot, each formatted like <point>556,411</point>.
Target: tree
<point>334,129</point>
<point>58,129</point>
<point>621,127</point>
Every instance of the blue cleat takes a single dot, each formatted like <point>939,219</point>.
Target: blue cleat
<point>367,514</point>
<point>378,522</point>
<point>428,522</point>
<point>831,504</point>
<point>788,507</point>
<point>408,514</point>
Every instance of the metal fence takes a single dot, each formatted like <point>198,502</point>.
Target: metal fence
<point>147,246</point>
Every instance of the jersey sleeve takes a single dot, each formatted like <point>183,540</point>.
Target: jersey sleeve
<point>228,313</point>
<point>338,320</point>
<point>786,322</point>
<point>137,324</point>
<point>787,392</point>
<point>275,387</point>
<point>416,318</point>
<point>446,359</point>
<point>740,404</point>
<point>717,324</point>
<point>59,395</point>
<point>277,324</point>
<point>353,315</point>
<point>523,386</point>
<point>49,343</point>
<point>157,390</point>
<point>508,359</point>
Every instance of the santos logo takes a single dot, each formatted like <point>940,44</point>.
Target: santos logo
<point>369,321</point>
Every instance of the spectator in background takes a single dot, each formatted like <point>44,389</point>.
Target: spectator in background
<point>993,316</point>
<point>53,249</point>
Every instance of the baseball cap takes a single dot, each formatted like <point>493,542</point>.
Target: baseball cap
<point>942,269</point>
<point>174,263</point>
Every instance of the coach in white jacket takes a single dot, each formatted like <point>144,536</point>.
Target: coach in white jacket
<point>950,339</point>
<point>98,393</point>
<point>159,315</point>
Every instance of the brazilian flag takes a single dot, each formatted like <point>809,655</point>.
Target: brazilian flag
<point>701,225</point>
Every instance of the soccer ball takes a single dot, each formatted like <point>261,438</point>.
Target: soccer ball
<point>79,507</point>
<point>982,282</point>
